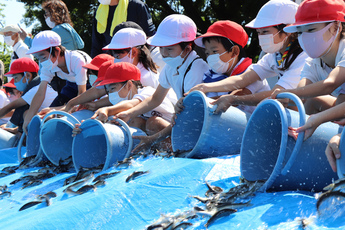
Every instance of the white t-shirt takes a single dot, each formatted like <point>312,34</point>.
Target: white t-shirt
<point>20,48</point>
<point>148,78</point>
<point>74,62</point>
<point>3,102</point>
<point>316,70</point>
<point>157,58</point>
<point>288,79</point>
<point>49,97</point>
<point>164,110</point>
<point>170,78</point>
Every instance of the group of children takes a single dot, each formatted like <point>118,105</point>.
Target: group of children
<point>304,47</point>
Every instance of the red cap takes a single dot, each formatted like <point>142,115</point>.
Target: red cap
<point>10,84</point>
<point>97,61</point>
<point>120,72</point>
<point>317,11</point>
<point>228,29</point>
<point>102,70</point>
<point>22,65</point>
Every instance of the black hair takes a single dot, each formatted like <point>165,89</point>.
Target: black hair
<point>53,49</point>
<point>227,44</point>
<point>295,48</point>
<point>183,45</point>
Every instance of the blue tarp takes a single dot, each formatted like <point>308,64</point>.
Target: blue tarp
<point>166,189</point>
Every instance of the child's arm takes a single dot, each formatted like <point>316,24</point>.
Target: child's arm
<point>85,97</point>
<point>13,105</point>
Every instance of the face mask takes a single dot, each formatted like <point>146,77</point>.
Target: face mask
<point>313,43</point>
<point>174,62</point>
<point>50,23</point>
<point>20,85</point>
<point>48,64</point>
<point>92,78</point>
<point>217,65</point>
<point>125,58</point>
<point>8,40</point>
<point>104,2</point>
<point>115,98</point>
<point>267,43</point>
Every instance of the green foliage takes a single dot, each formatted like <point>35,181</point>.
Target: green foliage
<point>203,12</point>
<point>5,56</point>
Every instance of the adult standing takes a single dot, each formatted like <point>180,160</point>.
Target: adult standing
<point>110,13</point>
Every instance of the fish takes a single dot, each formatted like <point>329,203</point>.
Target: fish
<point>50,194</point>
<point>82,174</point>
<point>219,214</point>
<point>3,174</point>
<point>135,174</point>
<point>45,176</point>
<point>106,176</point>
<point>5,194</point>
<point>213,189</point>
<point>201,199</point>
<point>182,226</point>
<point>124,164</point>
<point>181,153</point>
<point>70,192</point>
<point>82,182</point>
<point>31,183</point>
<point>99,183</point>
<point>3,188</point>
<point>30,204</point>
<point>10,168</point>
<point>86,188</point>
<point>25,162</point>
<point>327,195</point>
<point>337,185</point>
<point>69,180</point>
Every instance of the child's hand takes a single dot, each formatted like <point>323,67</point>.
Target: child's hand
<point>223,103</point>
<point>101,114</point>
<point>124,115</point>
<point>333,152</point>
<point>76,130</point>
<point>201,87</point>
<point>179,106</point>
<point>309,127</point>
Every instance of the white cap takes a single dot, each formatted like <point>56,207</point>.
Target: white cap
<point>10,28</point>
<point>174,29</point>
<point>275,12</point>
<point>126,38</point>
<point>44,40</point>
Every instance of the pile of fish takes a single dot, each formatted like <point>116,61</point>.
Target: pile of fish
<point>217,204</point>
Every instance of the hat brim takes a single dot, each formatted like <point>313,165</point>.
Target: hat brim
<point>198,40</point>
<point>293,27</point>
<point>9,85</point>
<point>163,41</point>
<point>91,66</point>
<point>114,47</point>
<point>107,82</point>
<point>261,23</point>
<point>11,72</point>
<point>36,50</point>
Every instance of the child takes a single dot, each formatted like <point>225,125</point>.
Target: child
<point>57,61</point>
<point>183,69</point>
<point>24,72</point>
<point>123,85</point>
<point>319,24</point>
<point>284,58</point>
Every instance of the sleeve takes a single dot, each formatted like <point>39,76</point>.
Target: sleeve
<point>163,80</point>
<point>145,93</point>
<point>28,41</point>
<point>264,67</point>
<point>144,18</point>
<point>196,74</point>
<point>291,77</point>
<point>80,73</point>
<point>3,99</point>
<point>21,52</point>
<point>97,39</point>
<point>309,70</point>
<point>29,95</point>
<point>259,86</point>
<point>46,75</point>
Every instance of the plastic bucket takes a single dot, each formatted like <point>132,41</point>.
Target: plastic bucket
<point>100,143</point>
<point>56,134</point>
<point>268,153</point>
<point>341,160</point>
<point>205,134</point>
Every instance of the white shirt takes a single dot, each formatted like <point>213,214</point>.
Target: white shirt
<point>169,78</point>
<point>49,96</point>
<point>157,58</point>
<point>21,48</point>
<point>288,79</point>
<point>164,110</point>
<point>316,70</point>
<point>74,62</point>
<point>3,102</point>
<point>148,78</point>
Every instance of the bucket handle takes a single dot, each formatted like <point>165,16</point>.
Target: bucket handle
<point>63,113</point>
<point>19,148</point>
<point>130,139</point>
<point>302,121</point>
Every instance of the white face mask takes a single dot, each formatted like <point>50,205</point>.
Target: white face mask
<point>92,78</point>
<point>8,40</point>
<point>48,64</point>
<point>125,58</point>
<point>174,62</point>
<point>217,65</point>
<point>115,98</point>
<point>104,2</point>
<point>50,23</point>
<point>267,43</point>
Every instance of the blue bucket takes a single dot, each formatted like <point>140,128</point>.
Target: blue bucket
<point>100,143</point>
<point>56,134</point>
<point>268,153</point>
<point>205,134</point>
<point>341,160</point>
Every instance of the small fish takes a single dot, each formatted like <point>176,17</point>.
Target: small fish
<point>3,188</point>
<point>30,204</point>
<point>3,174</point>
<point>338,185</point>
<point>69,180</point>
<point>106,176</point>
<point>201,199</point>
<point>212,190</point>
<point>135,174</point>
<point>48,194</point>
<point>124,164</point>
<point>22,179</point>
<point>10,168</point>
<point>45,176</point>
<point>25,162</point>
<point>32,183</point>
<point>182,226</point>
<point>181,153</point>
<point>9,171</point>
<point>86,188</point>
<point>86,180</point>
<point>99,183</point>
<point>70,192</point>
<point>5,194</point>
<point>326,195</point>
<point>219,214</point>
<point>82,174</point>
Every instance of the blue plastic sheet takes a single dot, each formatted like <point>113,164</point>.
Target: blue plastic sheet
<point>166,189</point>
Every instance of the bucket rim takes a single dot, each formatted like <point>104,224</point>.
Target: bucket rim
<point>284,138</point>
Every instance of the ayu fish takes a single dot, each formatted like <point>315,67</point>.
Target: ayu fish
<point>135,174</point>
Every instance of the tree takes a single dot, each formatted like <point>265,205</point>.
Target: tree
<point>203,13</point>
<point>5,56</point>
